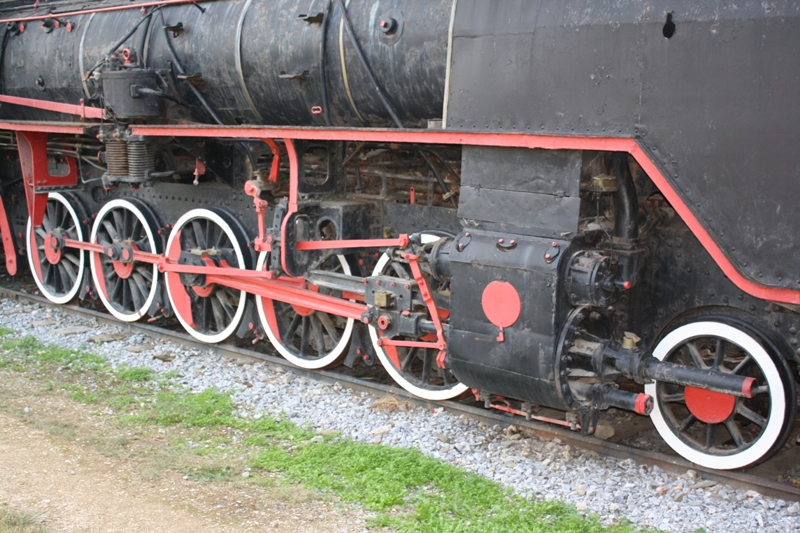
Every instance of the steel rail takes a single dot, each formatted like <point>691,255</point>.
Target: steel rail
<point>739,480</point>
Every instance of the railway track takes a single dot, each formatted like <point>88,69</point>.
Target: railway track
<point>761,478</point>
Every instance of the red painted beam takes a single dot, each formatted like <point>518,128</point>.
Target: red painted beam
<point>45,127</point>
<point>69,109</point>
<point>8,242</point>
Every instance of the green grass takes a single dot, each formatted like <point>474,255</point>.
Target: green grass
<point>407,490</point>
<point>29,349</point>
<point>431,495</point>
<point>15,522</point>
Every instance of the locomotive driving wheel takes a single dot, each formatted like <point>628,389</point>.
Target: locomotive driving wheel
<point>306,337</point>
<point>207,237</point>
<point>126,287</point>
<point>416,369</point>
<point>718,430</point>
<point>57,270</point>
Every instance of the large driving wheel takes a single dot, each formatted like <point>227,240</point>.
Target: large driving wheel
<point>57,271</point>
<point>717,430</point>
<point>126,287</point>
<point>415,369</point>
<point>211,237</point>
<point>307,338</point>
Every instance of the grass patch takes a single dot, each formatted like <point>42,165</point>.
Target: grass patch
<point>413,492</point>
<point>136,375</point>
<point>214,473</point>
<point>15,522</point>
<point>29,348</point>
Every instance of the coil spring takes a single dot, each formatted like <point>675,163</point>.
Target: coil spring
<point>140,159</point>
<point>117,158</point>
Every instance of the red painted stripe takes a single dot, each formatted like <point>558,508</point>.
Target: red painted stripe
<point>70,109</point>
<point>45,127</point>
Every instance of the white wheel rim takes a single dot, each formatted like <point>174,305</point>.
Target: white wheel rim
<point>397,375</point>
<point>69,295</point>
<point>769,434</point>
<point>311,364</point>
<point>136,315</point>
<point>225,333</point>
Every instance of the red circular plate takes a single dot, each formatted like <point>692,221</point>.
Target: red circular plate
<point>709,406</point>
<point>501,303</point>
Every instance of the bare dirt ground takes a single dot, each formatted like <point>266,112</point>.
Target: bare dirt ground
<point>78,472</point>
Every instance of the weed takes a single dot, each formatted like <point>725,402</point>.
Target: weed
<point>55,355</point>
<point>214,473</point>
<point>134,374</point>
<point>15,522</point>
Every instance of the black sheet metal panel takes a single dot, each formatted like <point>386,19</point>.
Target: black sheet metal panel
<point>416,218</point>
<point>715,103</point>
<point>530,192</point>
<point>522,365</point>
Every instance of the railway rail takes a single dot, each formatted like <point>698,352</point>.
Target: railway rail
<point>760,478</point>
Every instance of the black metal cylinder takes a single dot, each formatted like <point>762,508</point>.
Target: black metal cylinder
<point>653,369</point>
<point>631,401</point>
<point>255,62</point>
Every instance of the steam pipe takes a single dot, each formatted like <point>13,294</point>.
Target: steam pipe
<point>626,225</point>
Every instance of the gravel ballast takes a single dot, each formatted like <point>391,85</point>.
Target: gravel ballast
<point>612,488</point>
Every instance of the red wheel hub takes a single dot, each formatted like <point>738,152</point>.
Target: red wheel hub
<point>203,292</point>
<point>305,311</point>
<point>52,248</point>
<point>124,269</point>
<point>709,406</point>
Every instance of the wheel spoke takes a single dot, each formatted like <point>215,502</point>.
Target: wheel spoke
<point>742,364</point>
<point>220,316</point>
<point>687,423</point>
<point>674,398</point>
<point>327,323</point>
<point>293,325</point>
<point>751,415</point>
<point>319,339</point>
<point>427,363</point>
<point>446,377</point>
<point>733,429</point>
<point>412,353</point>
<point>710,436</point>
<point>111,231</point>
<point>304,336</point>
<point>719,354</point>
<point>199,234</point>
<point>695,353</point>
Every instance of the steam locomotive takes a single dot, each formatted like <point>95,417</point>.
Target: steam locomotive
<point>567,204</point>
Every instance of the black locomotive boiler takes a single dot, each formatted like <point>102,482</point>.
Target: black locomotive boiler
<point>567,203</point>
